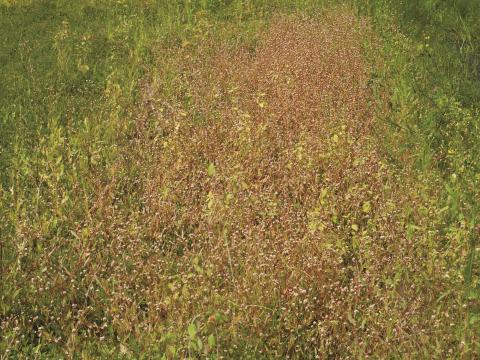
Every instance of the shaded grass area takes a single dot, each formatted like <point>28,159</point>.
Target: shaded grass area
<point>173,185</point>
<point>433,81</point>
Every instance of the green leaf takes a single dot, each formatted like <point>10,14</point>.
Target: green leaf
<point>467,274</point>
<point>83,68</point>
<point>473,294</point>
<point>211,171</point>
<point>211,341</point>
<point>192,330</point>
<point>228,198</point>
<point>474,318</point>
<point>172,350</point>
<point>367,207</point>
<point>210,200</point>
<point>350,318</point>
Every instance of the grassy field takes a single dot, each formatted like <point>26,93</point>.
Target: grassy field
<point>239,179</point>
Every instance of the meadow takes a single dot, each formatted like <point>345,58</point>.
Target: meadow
<point>248,179</point>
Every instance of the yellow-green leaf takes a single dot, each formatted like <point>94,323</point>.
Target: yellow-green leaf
<point>192,331</point>
<point>211,171</point>
<point>211,341</point>
<point>367,207</point>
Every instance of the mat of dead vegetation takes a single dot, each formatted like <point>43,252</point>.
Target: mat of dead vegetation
<point>268,224</point>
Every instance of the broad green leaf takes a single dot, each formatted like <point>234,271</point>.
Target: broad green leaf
<point>192,330</point>
<point>211,341</point>
<point>211,171</point>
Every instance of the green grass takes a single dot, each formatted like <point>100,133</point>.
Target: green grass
<point>434,84</point>
<point>433,79</point>
<point>73,77</point>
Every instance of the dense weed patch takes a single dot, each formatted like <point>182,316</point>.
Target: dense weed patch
<point>207,185</point>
